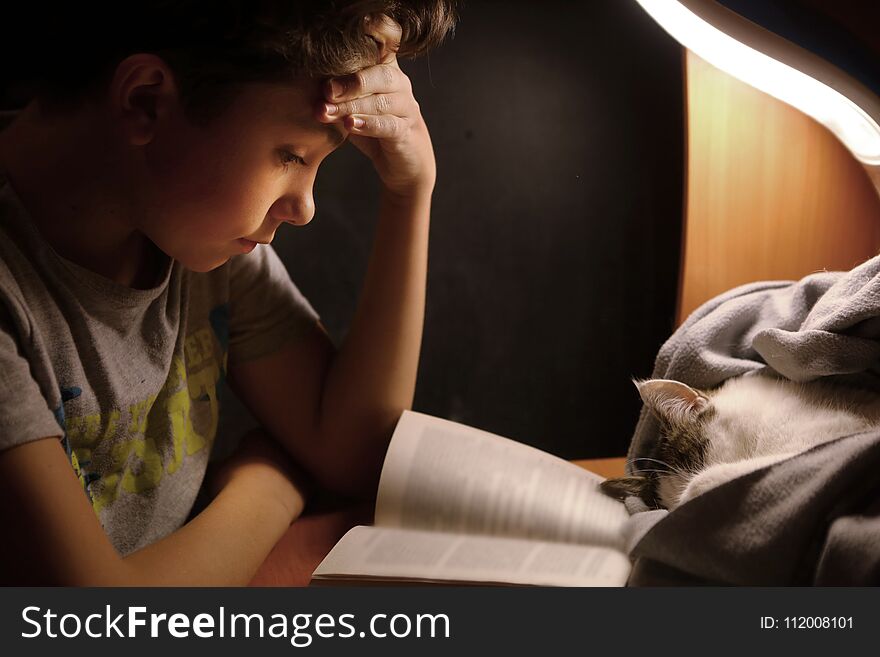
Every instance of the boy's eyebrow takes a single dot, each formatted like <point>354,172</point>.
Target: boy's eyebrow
<point>334,135</point>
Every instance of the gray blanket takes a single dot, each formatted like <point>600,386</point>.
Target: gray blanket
<point>812,519</point>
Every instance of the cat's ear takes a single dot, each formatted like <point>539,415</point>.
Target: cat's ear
<point>622,487</point>
<point>672,401</point>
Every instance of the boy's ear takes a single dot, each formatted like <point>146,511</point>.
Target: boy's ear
<point>672,401</point>
<point>143,91</point>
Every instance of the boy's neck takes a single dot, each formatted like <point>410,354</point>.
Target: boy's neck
<point>70,182</point>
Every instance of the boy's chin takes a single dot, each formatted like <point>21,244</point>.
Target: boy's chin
<point>203,265</point>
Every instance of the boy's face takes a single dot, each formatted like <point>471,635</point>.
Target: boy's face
<point>211,191</point>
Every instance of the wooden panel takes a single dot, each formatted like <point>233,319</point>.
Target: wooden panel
<point>608,468</point>
<point>771,194</point>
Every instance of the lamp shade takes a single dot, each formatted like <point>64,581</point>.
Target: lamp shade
<point>758,55</point>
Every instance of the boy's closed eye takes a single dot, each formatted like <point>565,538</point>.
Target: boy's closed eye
<point>287,158</point>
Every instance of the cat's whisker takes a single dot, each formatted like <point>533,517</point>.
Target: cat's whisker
<point>659,471</point>
<point>645,458</point>
<point>673,469</point>
<point>632,462</point>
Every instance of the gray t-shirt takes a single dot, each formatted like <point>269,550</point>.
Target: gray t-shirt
<point>127,378</point>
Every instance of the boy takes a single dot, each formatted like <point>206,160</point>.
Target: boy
<point>136,207</point>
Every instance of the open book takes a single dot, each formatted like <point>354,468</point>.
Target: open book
<point>460,505</point>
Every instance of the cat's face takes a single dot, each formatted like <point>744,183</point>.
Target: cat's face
<point>684,414</point>
<point>707,438</point>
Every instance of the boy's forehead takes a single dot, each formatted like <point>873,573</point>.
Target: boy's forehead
<point>296,107</point>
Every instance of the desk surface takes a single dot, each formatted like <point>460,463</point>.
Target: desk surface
<point>311,537</point>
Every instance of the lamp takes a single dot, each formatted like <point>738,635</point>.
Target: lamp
<point>777,66</point>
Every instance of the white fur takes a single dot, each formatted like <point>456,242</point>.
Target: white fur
<point>759,421</point>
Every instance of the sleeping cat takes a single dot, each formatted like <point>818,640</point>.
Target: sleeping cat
<point>710,437</point>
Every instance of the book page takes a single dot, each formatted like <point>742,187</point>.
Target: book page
<point>444,476</point>
<point>384,553</point>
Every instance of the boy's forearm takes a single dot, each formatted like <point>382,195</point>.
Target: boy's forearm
<point>373,377</point>
<point>223,546</point>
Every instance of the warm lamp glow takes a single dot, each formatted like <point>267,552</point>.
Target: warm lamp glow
<point>852,125</point>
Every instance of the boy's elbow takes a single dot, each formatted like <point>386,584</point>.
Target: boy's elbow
<point>356,486</point>
<point>357,480</point>
<point>352,468</point>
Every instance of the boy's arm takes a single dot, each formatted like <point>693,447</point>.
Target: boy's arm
<point>335,412</point>
<point>52,536</point>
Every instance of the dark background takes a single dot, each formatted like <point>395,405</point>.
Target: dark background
<point>556,225</point>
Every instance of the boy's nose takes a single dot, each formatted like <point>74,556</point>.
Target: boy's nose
<point>297,210</point>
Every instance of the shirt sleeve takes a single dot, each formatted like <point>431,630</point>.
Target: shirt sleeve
<point>265,307</point>
<point>25,415</point>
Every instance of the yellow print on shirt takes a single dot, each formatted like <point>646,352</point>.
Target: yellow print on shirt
<point>154,436</point>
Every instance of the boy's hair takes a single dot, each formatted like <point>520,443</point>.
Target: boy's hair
<point>215,47</point>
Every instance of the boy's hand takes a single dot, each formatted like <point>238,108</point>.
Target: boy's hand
<point>376,105</point>
<point>259,459</point>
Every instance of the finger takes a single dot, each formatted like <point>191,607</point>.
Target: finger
<point>380,127</point>
<point>387,33</point>
<point>397,104</point>
<point>379,79</point>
